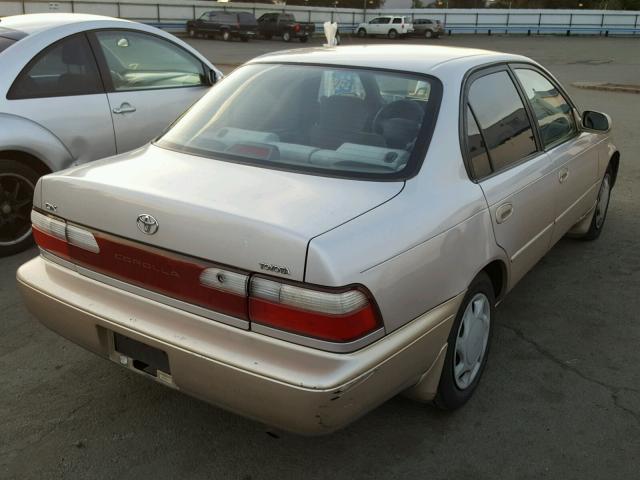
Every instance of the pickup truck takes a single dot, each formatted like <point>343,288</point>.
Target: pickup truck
<point>284,25</point>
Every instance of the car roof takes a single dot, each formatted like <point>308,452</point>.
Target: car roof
<point>408,58</point>
<point>38,22</point>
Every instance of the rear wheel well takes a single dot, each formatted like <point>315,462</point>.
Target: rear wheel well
<point>33,162</point>
<point>614,164</point>
<point>497,273</point>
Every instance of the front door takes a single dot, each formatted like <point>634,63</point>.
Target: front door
<point>152,82</point>
<point>574,154</point>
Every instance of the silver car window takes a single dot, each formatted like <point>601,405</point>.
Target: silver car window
<point>552,111</point>
<point>138,61</point>
<point>63,69</point>
<point>345,121</point>
<point>501,115</point>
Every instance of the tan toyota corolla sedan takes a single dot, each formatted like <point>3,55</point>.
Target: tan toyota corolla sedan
<point>325,229</point>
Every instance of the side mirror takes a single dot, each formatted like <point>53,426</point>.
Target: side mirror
<point>213,77</point>
<point>596,121</point>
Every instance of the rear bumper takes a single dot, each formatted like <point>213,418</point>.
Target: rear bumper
<point>292,387</point>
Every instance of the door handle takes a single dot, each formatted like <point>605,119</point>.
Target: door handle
<point>504,212</point>
<point>125,107</point>
<point>563,175</point>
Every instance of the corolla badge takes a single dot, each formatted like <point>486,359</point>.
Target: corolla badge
<point>147,224</point>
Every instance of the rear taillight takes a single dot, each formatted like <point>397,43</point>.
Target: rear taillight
<point>337,316</point>
<point>296,28</point>
<point>334,315</point>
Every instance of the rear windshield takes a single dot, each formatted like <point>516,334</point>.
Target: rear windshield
<point>329,120</point>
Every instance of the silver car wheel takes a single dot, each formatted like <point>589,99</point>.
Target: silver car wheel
<point>472,340</point>
<point>603,201</point>
<point>16,197</point>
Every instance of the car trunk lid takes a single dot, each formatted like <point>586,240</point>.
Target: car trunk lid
<point>243,216</point>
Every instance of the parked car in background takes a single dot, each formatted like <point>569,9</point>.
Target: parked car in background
<point>427,28</point>
<point>76,88</point>
<point>302,254</point>
<point>226,25</point>
<point>390,26</point>
<point>284,25</point>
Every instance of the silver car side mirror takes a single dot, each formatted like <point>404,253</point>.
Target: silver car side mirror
<point>596,122</point>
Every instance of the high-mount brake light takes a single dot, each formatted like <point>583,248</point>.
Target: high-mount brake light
<point>335,316</point>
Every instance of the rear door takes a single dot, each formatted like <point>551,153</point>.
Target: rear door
<point>573,153</point>
<point>505,158</point>
<point>151,82</point>
<point>60,89</point>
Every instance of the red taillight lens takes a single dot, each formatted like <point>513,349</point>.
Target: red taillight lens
<point>334,315</point>
<point>178,277</point>
<point>296,28</point>
<point>340,316</point>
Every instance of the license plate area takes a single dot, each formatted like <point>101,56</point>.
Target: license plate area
<point>141,358</point>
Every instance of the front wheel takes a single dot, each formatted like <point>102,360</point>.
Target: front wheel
<point>602,207</point>
<point>468,345</point>
<point>17,184</point>
<point>393,34</point>
<point>226,35</point>
<point>362,33</point>
<point>286,36</point>
<point>428,34</point>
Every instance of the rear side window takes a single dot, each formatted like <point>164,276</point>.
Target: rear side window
<point>65,68</point>
<point>5,43</point>
<point>501,115</point>
<point>552,110</point>
<point>478,155</point>
<point>397,20</point>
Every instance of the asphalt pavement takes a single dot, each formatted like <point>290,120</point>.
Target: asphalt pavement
<point>560,398</point>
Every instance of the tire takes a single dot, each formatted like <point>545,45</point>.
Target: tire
<point>362,33</point>
<point>226,35</point>
<point>191,32</point>
<point>393,34</point>
<point>428,34</point>
<point>602,207</point>
<point>286,36</point>
<point>304,39</point>
<point>15,206</point>
<point>474,320</point>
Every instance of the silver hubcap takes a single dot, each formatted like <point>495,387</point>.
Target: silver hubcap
<point>472,339</point>
<point>16,197</point>
<point>603,201</point>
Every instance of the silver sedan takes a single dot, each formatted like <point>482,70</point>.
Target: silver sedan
<point>76,88</point>
<point>300,255</point>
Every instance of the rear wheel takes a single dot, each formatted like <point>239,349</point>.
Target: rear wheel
<point>286,36</point>
<point>428,34</point>
<point>226,35</point>
<point>602,207</point>
<point>192,32</point>
<point>468,345</point>
<point>393,34</point>
<point>17,184</point>
<point>362,33</point>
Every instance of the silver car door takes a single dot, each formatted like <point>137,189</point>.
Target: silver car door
<point>516,177</point>
<point>151,82</point>
<point>60,89</point>
<point>573,153</point>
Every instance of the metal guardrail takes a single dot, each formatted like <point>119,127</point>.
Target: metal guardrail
<point>514,21</point>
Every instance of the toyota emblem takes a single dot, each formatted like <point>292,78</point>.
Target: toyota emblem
<point>147,224</point>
